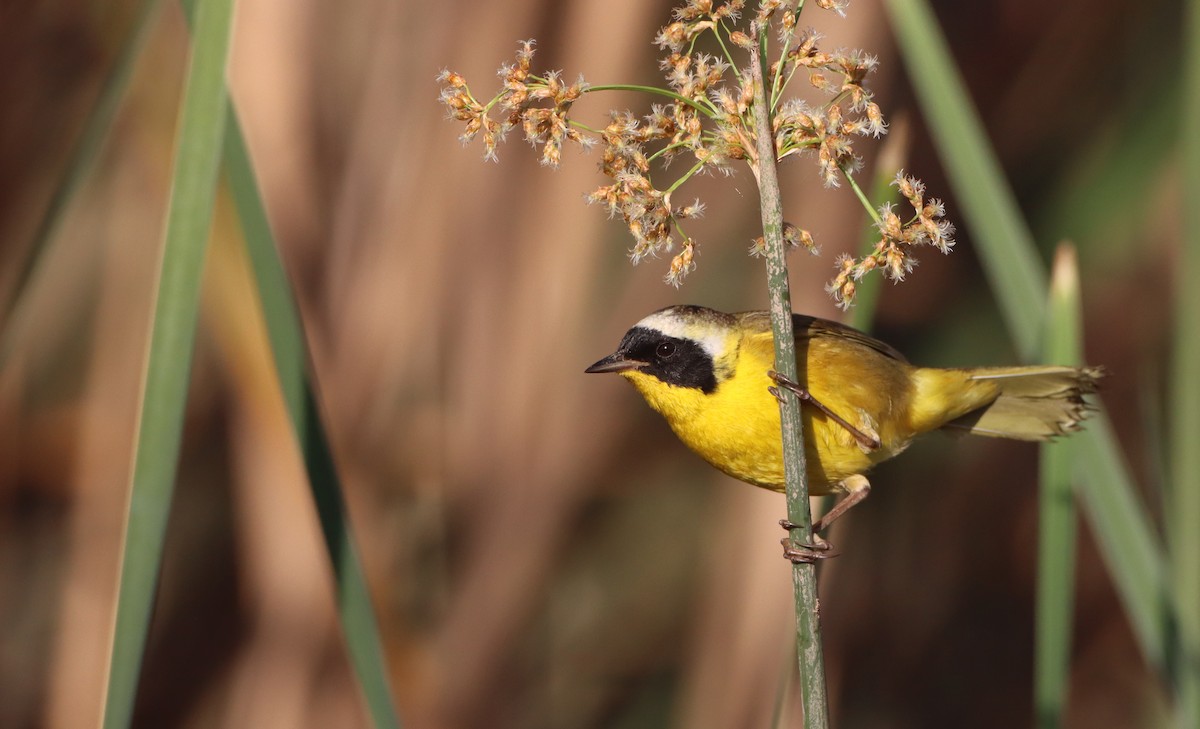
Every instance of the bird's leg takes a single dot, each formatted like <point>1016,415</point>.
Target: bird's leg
<point>867,442</point>
<point>805,553</point>
<point>857,488</point>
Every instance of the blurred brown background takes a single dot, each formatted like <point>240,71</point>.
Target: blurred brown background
<point>543,553</point>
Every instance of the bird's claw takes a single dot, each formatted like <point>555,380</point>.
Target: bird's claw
<point>808,552</point>
<point>868,442</point>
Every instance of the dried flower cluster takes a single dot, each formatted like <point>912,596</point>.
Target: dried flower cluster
<point>793,237</point>
<point>708,116</point>
<point>893,254</point>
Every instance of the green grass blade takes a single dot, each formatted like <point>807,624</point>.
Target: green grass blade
<point>288,345</point>
<point>284,328</point>
<point>79,165</point>
<point>1056,512</point>
<point>1123,532</point>
<point>1183,512</point>
<point>172,339</point>
<point>286,333</point>
<point>1122,526</point>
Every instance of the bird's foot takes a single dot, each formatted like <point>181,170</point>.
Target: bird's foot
<point>806,553</point>
<point>866,441</point>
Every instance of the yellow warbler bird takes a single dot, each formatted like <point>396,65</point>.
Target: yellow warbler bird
<point>709,374</point>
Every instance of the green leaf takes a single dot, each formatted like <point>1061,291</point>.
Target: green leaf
<point>172,339</point>
<point>1056,511</point>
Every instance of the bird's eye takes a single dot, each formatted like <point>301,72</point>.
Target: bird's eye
<point>666,350</point>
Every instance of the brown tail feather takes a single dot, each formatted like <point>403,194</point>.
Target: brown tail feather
<point>1035,403</point>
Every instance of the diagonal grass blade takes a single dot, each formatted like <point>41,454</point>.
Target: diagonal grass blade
<point>1056,512</point>
<point>172,340</point>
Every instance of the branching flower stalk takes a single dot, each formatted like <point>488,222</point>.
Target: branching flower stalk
<point>706,113</point>
<point>718,111</point>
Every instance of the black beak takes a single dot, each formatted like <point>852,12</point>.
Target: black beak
<point>615,362</point>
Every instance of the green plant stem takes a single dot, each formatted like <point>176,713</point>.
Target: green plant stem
<point>172,340</point>
<point>778,84</point>
<point>716,30</point>
<point>705,110</point>
<point>1183,492</point>
<point>862,196</point>
<point>866,298</point>
<point>686,176</point>
<point>288,346</point>
<point>1056,512</point>
<point>804,575</point>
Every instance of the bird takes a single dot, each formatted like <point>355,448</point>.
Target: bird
<point>710,375</point>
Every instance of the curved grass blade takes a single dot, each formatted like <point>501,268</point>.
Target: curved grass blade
<point>172,340</point>
<point>1122,525</point>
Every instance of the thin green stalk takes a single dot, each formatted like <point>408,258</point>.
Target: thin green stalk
<point>862,196</point>
<point>79,166</point>
<point>891,157</point>
<point>1183,512</point>
<point>172,339</point>
<point>804,575</point>
<point>686,176</point>
<point>668,149</point>
<point>725,51</point>
<point>705,110</point>
<point>1056,512</point>
<point>1121,523</point>
<point>778,84</point>
<point>866,297</point>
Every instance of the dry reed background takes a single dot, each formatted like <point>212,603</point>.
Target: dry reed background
<point>542,552</point>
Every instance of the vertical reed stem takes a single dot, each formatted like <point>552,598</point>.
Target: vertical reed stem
<point>804,575</point>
